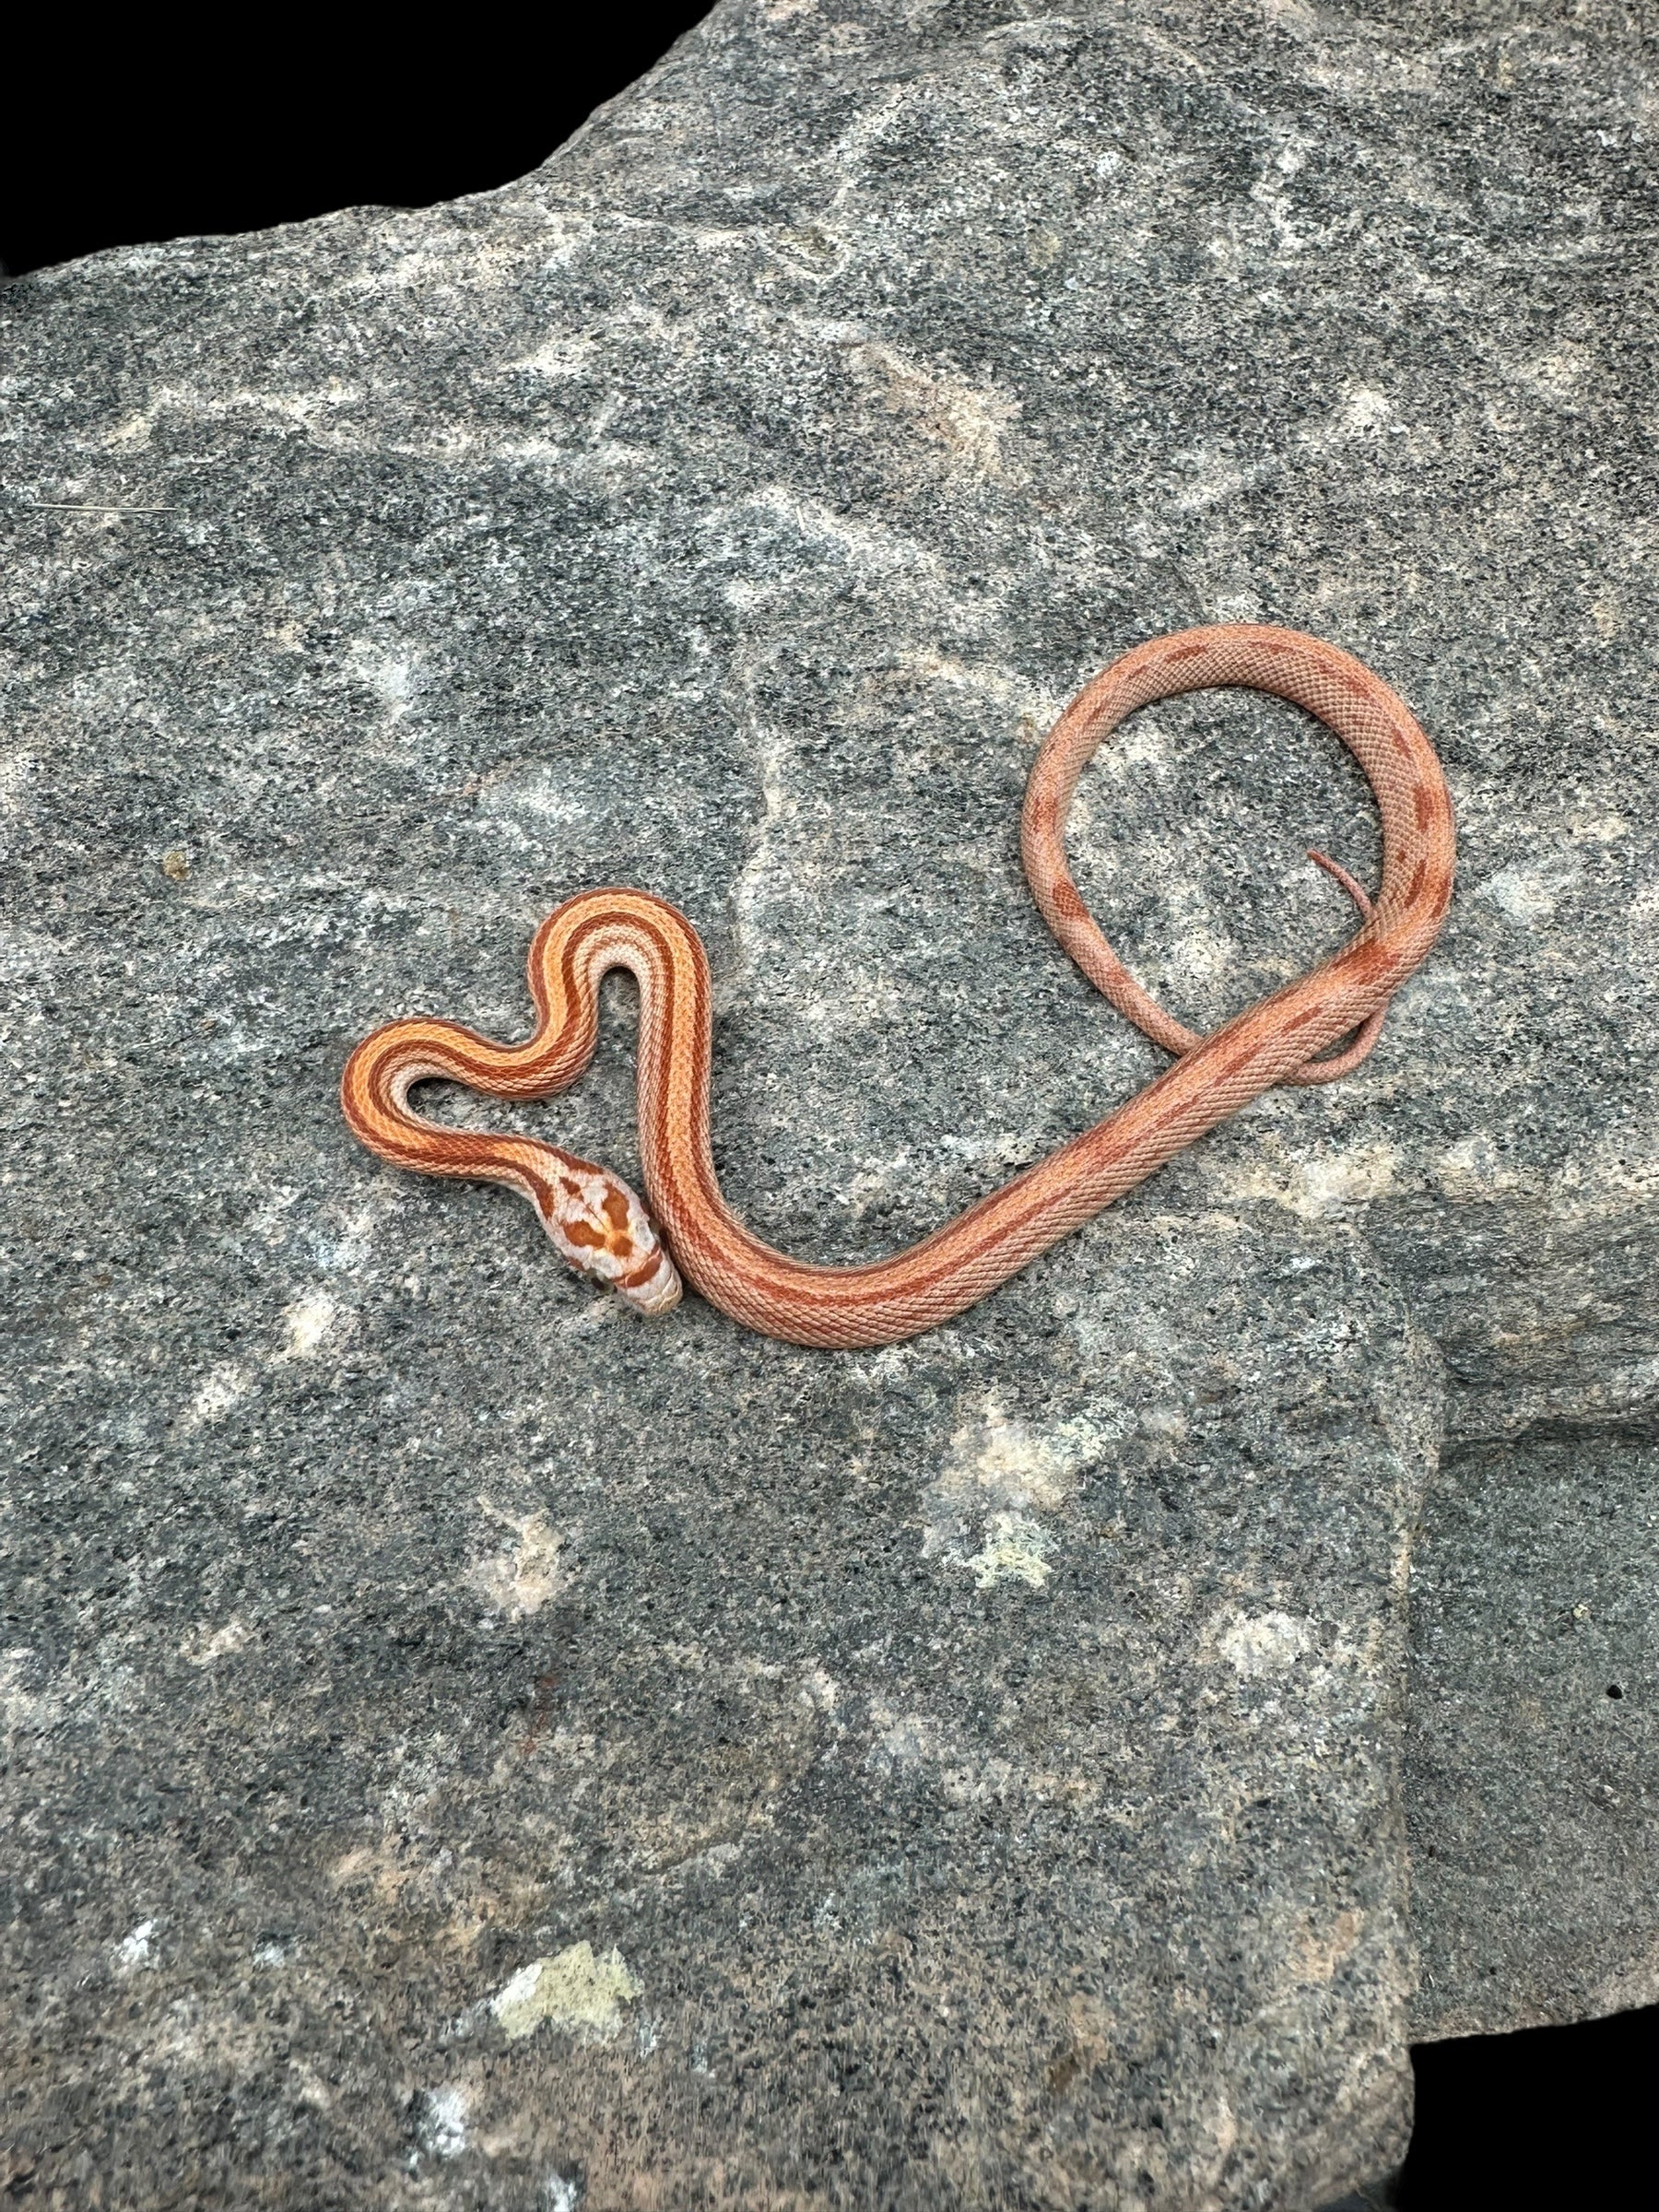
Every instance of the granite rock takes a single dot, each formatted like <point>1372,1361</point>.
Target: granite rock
<point>1532,1803</point>
<point>466,1748</point>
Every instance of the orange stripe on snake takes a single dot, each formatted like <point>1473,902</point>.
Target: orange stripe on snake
<point>604,1229</point>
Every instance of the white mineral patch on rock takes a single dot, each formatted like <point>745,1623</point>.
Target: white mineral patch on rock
<point>1263,1644</point>
<point>520,1579</point>
<point>1529,892</point>
<point>442,2125</point>
<point>134,1950</point>
<point>906,1739</point>
<point>225,1387</point>
<point>207,1644</point>
<point>306,1322</point>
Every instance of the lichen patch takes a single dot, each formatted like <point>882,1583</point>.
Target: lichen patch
<point>577,1991</point>
<point>1001,1474</point>
<point>1015,1550</point>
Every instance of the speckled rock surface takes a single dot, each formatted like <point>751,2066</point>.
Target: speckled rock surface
<point>465,1749</point>
<point>1534,1800</point>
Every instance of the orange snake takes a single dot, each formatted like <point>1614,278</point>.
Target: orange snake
<point>602,1228</point>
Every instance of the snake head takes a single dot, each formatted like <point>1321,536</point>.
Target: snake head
<point>603,1230</point>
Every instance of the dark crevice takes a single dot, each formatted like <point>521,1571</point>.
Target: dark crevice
<point>1640,1431</point>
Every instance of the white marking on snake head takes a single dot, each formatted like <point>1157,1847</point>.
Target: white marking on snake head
<point>602,1228</point>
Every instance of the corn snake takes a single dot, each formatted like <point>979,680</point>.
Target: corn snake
<point>604,1229</point>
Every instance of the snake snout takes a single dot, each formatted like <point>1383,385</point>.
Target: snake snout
<point>604,1230</point>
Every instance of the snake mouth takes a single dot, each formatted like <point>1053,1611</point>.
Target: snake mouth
<point>653,1289</point>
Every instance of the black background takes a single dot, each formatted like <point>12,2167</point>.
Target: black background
<point>1557,2117</point>
<point>112,134</point>
<point>163,136</point>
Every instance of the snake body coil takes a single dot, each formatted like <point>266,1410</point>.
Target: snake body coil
<point>602,1227</point>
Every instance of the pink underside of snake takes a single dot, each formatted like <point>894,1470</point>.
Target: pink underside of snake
<point>602,1227</point>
